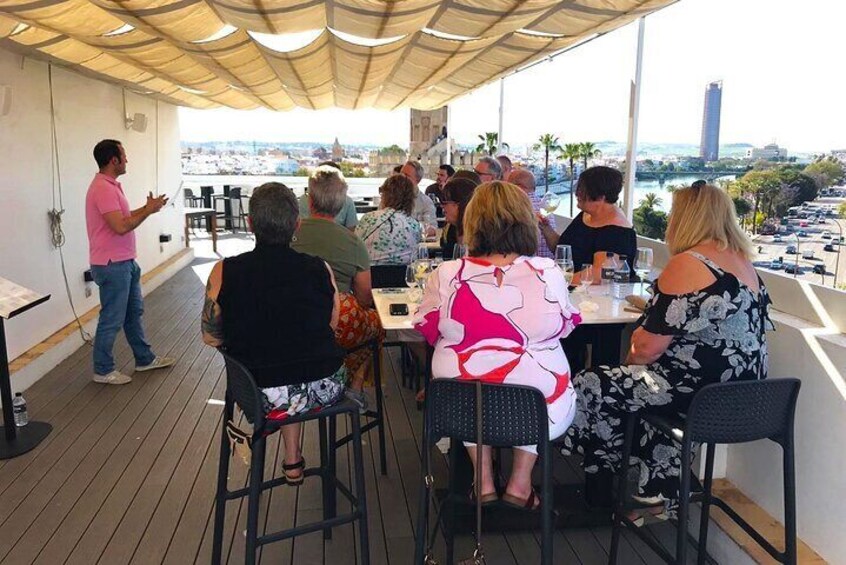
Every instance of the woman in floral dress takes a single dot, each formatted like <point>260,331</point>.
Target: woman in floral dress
<point>704,324</point>
<point>390,233</point>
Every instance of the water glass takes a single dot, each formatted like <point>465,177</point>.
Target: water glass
<point>422,251</point>
<point>643,263</point>
<point>411,275</point>
<point>586,277</point>
<point>564,260</point>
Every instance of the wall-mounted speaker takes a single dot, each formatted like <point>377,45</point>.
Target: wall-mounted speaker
<point>5,99</point>
<point>137,122</point>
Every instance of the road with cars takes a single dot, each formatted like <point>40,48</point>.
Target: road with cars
<point>808,245</point>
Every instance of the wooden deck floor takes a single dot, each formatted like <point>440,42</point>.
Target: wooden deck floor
<point>128,474</point>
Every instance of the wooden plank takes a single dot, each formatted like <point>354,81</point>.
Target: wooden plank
<point>66,410</point>
<point>80,499</point>
<point>156,508</point>
<point>187,397</point>
<point>94,430</point>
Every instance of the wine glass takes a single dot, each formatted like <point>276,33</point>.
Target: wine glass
<point>564,260</point>
<point>422,269</point>
<point>549,203</point>
<point>586,278</point>
<point>459,251</point>
<point>411,276</point>
<point>422,252</point>
<point>643,263</point>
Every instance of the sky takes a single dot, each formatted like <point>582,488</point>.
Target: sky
<point>781,64</point>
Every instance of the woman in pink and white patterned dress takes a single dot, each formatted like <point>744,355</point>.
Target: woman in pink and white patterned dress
<point>498,315</point>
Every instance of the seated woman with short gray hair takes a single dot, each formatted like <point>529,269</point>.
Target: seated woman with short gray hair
<point>345,253</point>
<point>276,311</point>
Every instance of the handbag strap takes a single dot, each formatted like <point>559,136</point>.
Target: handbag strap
<point>478,553</point>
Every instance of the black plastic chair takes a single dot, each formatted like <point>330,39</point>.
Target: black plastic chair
<point>242,390</point>
<point>233,214</point>
<point>511,415</point>
<point>723,413</point>
<point>387,276</point>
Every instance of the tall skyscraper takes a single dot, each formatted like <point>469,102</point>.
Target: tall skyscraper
<point>709,145</point>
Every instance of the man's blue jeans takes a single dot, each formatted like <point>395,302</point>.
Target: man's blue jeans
<point>121,306</point>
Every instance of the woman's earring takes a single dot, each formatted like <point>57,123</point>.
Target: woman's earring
<point>294,238</point>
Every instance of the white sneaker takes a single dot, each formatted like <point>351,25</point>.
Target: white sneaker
<point>113,378</point>
<point>158,363</point>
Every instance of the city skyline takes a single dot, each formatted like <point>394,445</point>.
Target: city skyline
<point>786,96</point>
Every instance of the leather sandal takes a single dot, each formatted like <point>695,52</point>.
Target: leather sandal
<point>531,503</point>
<point>486,499</point>
<point>294,480</point>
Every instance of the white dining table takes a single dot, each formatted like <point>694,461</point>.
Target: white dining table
<point>608,310</point>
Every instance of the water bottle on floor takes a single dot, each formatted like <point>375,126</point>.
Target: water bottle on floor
<point>609,267</point>
<point>621,278</point>
<point>19,410</point>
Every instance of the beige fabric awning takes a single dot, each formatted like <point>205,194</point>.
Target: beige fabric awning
<point>384,54</point>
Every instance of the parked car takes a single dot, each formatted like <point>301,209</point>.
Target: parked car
<point>802,233</point>
<point>791,249</point>
<point>808,254</point>
<point>777,264</point>
<point>792,269</point>
<point>819,269</point>
<point>826,234</point>
<point>777,238</point>
<point>768,229</point>
<point>828,247</point>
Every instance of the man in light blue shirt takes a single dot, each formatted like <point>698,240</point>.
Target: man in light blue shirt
<point>346,217</point>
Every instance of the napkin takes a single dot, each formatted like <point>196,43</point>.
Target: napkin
<point>638,302</point>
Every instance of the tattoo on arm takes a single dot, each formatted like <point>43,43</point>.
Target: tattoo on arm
<point>212,322</point>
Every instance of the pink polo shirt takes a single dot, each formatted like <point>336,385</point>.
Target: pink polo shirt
<point>104,244</point>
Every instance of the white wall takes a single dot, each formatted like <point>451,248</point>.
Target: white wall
<point>86,111</point>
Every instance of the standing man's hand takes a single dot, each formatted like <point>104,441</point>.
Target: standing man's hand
<point>155,203</point>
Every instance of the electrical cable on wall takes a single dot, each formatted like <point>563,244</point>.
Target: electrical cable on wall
<point>57,234</point>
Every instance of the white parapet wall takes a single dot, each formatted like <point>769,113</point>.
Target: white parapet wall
<point>86,111</point>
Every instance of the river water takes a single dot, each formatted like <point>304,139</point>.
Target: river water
<point>359,187</point>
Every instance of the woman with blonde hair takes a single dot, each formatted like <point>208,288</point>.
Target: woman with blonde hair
<point>705,324</point>
<point>497,316</point>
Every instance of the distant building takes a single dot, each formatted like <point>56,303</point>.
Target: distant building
<point>771,152</point>
<point>287,167</point>
<point>709,146</point>
<point>337,151</point>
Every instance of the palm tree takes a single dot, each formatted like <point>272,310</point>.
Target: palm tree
<point>547,142</point>
<point>490,143</point>
<point>588,151</point>
<point>651,200</point>
<point>572,153</point>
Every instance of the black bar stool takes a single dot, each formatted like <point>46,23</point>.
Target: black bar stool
<point>511,415</point>
<point>732,412</point>
<point>377,417</point>
<point>242,390</point>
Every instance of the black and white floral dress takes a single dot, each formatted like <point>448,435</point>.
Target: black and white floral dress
<point>718,335</point>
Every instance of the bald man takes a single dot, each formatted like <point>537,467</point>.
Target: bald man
<point>526,180</point>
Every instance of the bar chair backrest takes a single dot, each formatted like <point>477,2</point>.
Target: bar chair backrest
<point>242,388</point>
<point>511,414</point>
<point>743,411</point>
<point>387,276</point>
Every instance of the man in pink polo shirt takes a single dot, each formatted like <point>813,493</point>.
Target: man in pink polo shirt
<point>111,244</point>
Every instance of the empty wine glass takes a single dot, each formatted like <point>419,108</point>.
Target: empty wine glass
<point>564,260</point>
<point>643,263</point>
<point>549,203</point>
<point>422,252</point>
<point>586,278</point>
<point>411,276</point>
